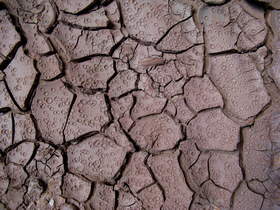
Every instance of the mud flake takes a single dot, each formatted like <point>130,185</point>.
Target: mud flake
<point>252,36</point>
<point>122,83</point>
<point>126,51</point>
<point>4,179</point>
<point>8,33</point>
<point>37,44</point>
<point>174,88</point>
<point>115,132</point>
<point>146,105</point>
<point>97,158</point>
<point>72,6</point>
<point>6,130</point>
<point>136,174</point>
<point>46,164</point>
<point>103,197</point>
<point>89,113</point>
<point>93,20</point>
<point>155,19</point>
<point>274,71</point>
<point>231,27</point>
<point>78,43</point>
<point>34,192</point>
<point>91,75</point>
<point>168,172</point>
<point>257,186</point>
<point>47,17</point>
<point>198,172</point>
<point>189,154</point>
<point>16,174</point>
<point>183,113</point>
<point>181,37</point>
<point>76,187</point>
<point>67,206</point>
<point>50,108</point>
<point>213,130</point>
<point>240,83</point>
<point>200,93</point>
<point>218,197</point>
<point>274,44</point>
<point>163,74</point>
<point>20,77</point>
<point>146,84</point>
<point>49,66</point>
<point>113,13</point>
<point>128,202</point>
<point>256,164</point>
<point>256,145</point>
<point>144,58</point>
<point>246,199</point>
<point>156,133</point>
<point>121,106</point>
<point>21,154</point>
<point>5,99</point>
<point>225,170</point>
<point>151,197</point>
<point>191,62</point>
<point>14,197</point>
<point>24,128</point>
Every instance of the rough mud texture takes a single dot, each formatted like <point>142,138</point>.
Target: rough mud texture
<point>151,104</point>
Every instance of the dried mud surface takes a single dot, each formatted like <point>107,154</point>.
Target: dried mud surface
<point>140,104</point>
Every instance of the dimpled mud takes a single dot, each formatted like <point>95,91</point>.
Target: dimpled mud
<point>139,104</point>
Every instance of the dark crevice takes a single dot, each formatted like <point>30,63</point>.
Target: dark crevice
<point>95,5</point>
<point>145,187</point>
<point>109,25</point>
<point>176,52</point>
<point>136,147</point>
<point>80,138</point>
<point>4,110</point>
<point>125,94</point>
<point>240,147</point>
<point>12,97</point>
<point>193,164</point>
<point>36,147</point>
<point>8,59</point>
<point>233,195</point>
<point>152,114</point>
<point>92,191</point>
<point>134,101</point>
<point>109,111</point>
<point>86,58</point>
<point>120,12</point>
<point>154,177</point>
<point>74,97</point>
<point>173,26</point>
<point>32,91</point>
<point>13,128</point>
<point>117,45</point>
<point>259,4</point>
<point>185,177</point>
<point>120,172</point>
<point>117,195</point>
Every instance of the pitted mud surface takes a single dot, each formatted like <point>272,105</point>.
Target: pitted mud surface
<point>140,104</point>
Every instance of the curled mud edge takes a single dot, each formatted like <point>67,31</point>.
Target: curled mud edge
<point>127,105</point>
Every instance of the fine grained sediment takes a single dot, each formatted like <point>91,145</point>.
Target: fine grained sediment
<point>124,104</point>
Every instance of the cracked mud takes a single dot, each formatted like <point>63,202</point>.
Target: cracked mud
<point>129,104</point>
